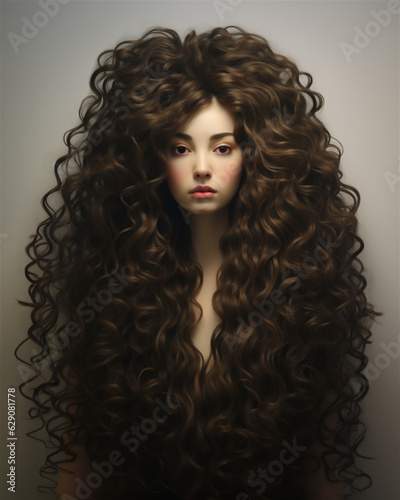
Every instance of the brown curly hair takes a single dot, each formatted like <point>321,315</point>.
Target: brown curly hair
<point>113,283</point>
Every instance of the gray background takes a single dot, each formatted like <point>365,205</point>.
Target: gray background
<point>45,79</point>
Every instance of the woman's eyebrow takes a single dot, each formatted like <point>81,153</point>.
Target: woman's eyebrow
<point>186,137</point>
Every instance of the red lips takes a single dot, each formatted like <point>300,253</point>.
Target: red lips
<point>203,189</point>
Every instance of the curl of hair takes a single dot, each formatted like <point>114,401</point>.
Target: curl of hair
<point>113,282</point>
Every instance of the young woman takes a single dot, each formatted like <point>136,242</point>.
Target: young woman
<point>197,294</point>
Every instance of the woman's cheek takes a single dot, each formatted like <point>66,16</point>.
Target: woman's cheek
<point>230,175</point>
<point>176,176</point>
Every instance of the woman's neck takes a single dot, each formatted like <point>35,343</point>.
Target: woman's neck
<point>206,233</point>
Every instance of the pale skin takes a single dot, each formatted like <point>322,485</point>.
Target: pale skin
<point>197,157</point>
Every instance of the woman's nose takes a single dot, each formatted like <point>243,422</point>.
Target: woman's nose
<point>202,169</point>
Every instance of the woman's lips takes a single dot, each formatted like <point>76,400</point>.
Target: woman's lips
<point>202,192</point>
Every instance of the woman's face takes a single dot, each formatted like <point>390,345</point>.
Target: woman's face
<point>204,162</point>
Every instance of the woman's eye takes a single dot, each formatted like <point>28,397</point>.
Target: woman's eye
<point>224,149</point>
<point>180,150</point>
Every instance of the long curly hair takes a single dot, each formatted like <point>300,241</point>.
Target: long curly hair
<point>113,285</point>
